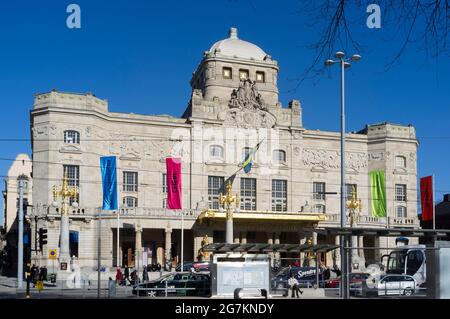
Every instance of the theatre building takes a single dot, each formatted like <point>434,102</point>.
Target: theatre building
<point>234,105</point>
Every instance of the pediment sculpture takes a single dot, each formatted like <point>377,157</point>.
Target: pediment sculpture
<point>247,108</point>
<point>246,96</point>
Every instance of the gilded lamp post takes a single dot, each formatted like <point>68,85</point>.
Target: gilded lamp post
<point>225,202</point>
<point>65,192</point>
<point>354,207</point>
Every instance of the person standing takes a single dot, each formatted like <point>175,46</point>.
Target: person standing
<point>293,283</point>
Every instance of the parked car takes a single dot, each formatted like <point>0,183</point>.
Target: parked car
<point>197,266</point>
<point>397,285</point>
<point>355,280</point>
<point>197,284</point>
<point>306,277</point>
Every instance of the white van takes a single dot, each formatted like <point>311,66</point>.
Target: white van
<point>397,285</point>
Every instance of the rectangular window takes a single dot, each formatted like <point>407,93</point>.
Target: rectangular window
<point>401,212</point>
<point>248,193</point>
<point>129,201</point>
<point>260,77</point>
<point>400,193</point>
<point>319,190</point>
<point>243,74</point>
<point>279,195</point>
<point>130,181</point>
<point>227,73</point>
<point>73,179</point>
<point>349,190</point>
<point>164,183</point>
<point>215,185</point>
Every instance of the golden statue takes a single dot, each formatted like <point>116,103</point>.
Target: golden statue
<point>203,255</point>
<point>353,205</point>
<point>65,192</point>
<point>226,200</point>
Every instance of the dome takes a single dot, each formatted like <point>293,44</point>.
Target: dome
<point>234,47</point>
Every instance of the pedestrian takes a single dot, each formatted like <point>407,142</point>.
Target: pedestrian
<point>119,276</point>
<point>41,274</point>
<point>44,273</point>
<point>127,275</point>
<point>296,264</point>
<point>145,274</point>
<point>337,271</point>
<point>293,283</point>
<point>326,273</point>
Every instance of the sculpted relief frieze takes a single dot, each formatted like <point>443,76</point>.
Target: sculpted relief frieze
<point>140,147</point>
<point>44,130</point>
<point>331,159</point>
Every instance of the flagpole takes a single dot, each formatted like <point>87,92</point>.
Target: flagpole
<point>182,239</point>
<point>118,234</point>
<point>434,207</point>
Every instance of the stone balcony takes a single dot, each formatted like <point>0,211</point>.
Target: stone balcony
<point>370,221</point>
<point>141,212</point>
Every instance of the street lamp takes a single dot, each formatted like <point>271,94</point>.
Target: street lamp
<point>65,192</point>
<point>225,202</point>
<point>345,63</point>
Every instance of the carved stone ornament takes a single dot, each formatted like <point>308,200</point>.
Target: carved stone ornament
<point>331,159</point>
<point>246,96</point>
<point>247,108</point>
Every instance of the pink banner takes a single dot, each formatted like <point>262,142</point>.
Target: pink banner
<point>173,166</point>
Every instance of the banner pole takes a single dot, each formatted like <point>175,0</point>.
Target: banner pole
<point>99,253</point>
<point>434,206</point>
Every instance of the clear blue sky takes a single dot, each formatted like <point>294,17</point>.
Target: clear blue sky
<point>140,55</point>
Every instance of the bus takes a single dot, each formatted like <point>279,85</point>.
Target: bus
<point>407,260</point>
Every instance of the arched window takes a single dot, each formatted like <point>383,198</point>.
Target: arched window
<point>319,208</point>
<point>130,201</point>
<point>401,212</point>
<point>216,151</point>
<point>400,162</point>
<point>279,156</point>
<point>71,137</point>
<point>246,151</point>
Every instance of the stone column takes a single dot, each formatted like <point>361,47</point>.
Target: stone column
<point>337,253</point>
<point>168,246</point>
<point>270,242</point>
<point>302,241</point>
<point>243,237</point>
<point>138,248</point>
<point>361,246</point>
<point>276,242</point>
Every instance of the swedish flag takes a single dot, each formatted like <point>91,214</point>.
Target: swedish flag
<point>248,161</point>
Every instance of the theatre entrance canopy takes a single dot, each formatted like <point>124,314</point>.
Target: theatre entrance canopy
<point>298,219</point>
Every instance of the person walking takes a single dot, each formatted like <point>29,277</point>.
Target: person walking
<point>119,276</point>
<point>293,283</point>
<point>127,275</point>
<point>145,275</point>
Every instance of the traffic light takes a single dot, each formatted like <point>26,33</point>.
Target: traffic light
<point>42,237</point>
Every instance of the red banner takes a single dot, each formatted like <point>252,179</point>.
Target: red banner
<point>426,197</point>
<point>173,166</point>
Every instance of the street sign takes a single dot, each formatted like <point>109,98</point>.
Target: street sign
<point>52,254</point>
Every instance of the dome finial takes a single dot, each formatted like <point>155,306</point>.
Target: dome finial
<point>233,33</point>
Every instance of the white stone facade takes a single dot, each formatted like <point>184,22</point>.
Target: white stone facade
<point>226,113</point>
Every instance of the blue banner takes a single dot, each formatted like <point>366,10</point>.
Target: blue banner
<point>109,182</point>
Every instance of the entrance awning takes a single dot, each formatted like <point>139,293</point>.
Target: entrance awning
<point>265,215</point>
<point>266,248</point>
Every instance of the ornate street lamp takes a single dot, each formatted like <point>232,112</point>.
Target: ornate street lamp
<point>225,202</point>
<point>65,192</point>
